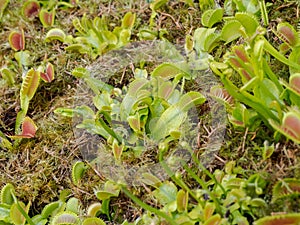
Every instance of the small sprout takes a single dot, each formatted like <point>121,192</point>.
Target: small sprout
<point>55,34</point>
<point>17,40</point>
<point>31,9</point>
<point>117,150</point>
<point>212,16</point>
<point>28,129</point>
<point>47,18</point>
<point>267,150</point>
<point>8,76</point>
<point>48,76</point>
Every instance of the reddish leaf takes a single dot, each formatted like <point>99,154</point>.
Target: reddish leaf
<point>47,18</point>
<point>28,129</point>
<point>31,9</point>
<point>17,40</point>
<point>291,125</point>
<point>49,75</point>
<point>295,82</point>
<point>288,219</point>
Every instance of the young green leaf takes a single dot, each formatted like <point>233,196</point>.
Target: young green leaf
<point>128,20</point>
<point>17,40</point>
<point>182,200</point>
<point>78,170</point>
<point>212,16</point>
<point>29,87</point>
<point>65,218</point>
<point>7,194</point>
<point>50,209</point>
<point>46,17</point>
<point>8,76</point>
<point>15,214</point>
<point>94,208</point>
<point>55,34</point>
<point>166,71</point>
<point>30,9</point>
<point>230,31</point>
<point>248,21</point>
<point>110,190</point>
<point>166,193</point>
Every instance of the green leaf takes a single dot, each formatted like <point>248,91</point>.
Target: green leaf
<point>65,218</point>
<point>29,87</point>
<point>73,205</point>
<point>213,220</point>
<point>94,208</point>
<point>15,214</point>
<point>111,189</point>
<point>175,115</point>
<point>248,21</point>
<point>3,5</point>
<point>55,34</point>
<point>93,221</point>
<point>8,76</point>
<point>230,31</point>
<point>212,16</point>
<point>78,171</point>
<point>156,4</point>
<point>50,209</point>
<point>166,193</point>
<point>7,194</point>
<point>24,58</point>
<point>182,200</point>
<point>128,20</point>
<point>166,71</point>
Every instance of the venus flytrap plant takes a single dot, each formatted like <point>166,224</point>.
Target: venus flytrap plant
<point>94,38</point>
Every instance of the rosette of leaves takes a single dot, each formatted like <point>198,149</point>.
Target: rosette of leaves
<point>152,108</point>
<point>94,37</point>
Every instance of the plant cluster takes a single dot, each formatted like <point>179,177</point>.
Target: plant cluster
<point>154,109</point>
